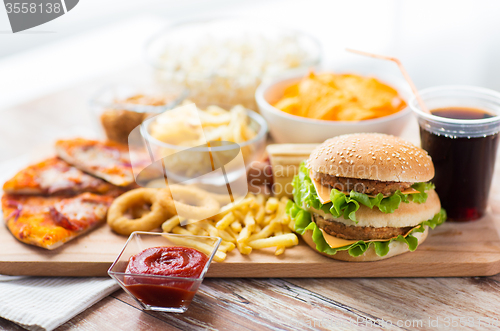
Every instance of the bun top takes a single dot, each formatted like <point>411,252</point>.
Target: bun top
<point>372,156</point>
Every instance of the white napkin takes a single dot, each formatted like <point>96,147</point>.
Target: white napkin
<point>44,303</point>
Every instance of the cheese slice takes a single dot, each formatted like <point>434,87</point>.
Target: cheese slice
<point>335,242</point>
<point>324,191</point>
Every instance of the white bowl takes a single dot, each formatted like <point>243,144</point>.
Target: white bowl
<point>287,128</point>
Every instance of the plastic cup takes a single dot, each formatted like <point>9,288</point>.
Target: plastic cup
<point>463,150</point>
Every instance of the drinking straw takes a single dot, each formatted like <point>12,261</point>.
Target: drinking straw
<point>403,71</point>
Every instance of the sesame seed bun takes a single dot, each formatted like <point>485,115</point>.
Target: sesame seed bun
<point>395,248</point>
<point>372,156</point>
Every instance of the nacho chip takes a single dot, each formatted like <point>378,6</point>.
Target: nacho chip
<point>340,97</point>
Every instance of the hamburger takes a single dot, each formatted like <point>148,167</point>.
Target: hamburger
<point>365,197</point>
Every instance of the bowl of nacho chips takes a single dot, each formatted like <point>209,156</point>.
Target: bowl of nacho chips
<point>312,106</point>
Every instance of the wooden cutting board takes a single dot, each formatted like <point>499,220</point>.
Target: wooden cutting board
<point>469,249</point>
<point>452,249</point>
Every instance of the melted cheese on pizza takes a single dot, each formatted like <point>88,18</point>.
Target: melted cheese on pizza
<point>49,222</point>
<point>107,160</point>
<point>55,176</point>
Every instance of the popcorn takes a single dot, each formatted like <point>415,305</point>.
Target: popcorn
<point>228,69</point>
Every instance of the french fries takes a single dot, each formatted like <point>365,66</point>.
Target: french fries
<point>284,240</point>
<point>226,221</point>
<point>255,222</point>
<point>171,223</point>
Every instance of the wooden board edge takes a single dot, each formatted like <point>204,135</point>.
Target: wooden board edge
<point>287,270</point>
<point>54,269</point>
<point>291,271</point>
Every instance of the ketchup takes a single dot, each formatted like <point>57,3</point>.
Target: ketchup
<point>183,262</point>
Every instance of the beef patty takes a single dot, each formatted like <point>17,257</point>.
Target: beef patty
<point>366,186</point>
<point>343,231</point>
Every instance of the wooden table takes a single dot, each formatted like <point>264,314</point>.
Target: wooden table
<point>260,304</point>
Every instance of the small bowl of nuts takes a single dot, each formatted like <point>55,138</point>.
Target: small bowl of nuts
<point>119,109</point>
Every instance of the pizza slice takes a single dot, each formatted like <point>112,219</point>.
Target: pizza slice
<point>107,160</point>
<point>56,177</point>
<point>49,222</point>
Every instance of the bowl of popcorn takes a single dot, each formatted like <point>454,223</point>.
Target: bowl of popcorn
<point>225,60</point>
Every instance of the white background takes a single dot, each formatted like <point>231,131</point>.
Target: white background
<point>440,41</point>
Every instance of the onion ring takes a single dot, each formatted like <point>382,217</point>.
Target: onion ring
<point>203,204</point>
<point>136,199</point>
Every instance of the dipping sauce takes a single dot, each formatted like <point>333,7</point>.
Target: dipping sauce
<point>174,261</point>
<point>464,165</point>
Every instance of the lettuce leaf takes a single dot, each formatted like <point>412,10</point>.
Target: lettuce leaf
<point>305,195</point>
<point>421,187</point>
<point>303,222</point>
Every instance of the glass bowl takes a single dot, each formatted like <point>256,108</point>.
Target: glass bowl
<point>198,157</point>
<point>156,292</point>
<point>223,60</point>
<point>118,109</point>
